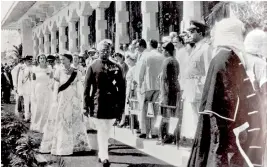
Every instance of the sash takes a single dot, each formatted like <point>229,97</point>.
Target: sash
<point>7,78</point>
<point>67,84</point>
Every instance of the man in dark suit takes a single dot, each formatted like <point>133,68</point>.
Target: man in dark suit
<point>7,85</point>
<point>106,102</point>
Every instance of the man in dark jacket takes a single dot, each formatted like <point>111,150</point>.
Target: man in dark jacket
<point>105,102</point>
<point>7,85</point>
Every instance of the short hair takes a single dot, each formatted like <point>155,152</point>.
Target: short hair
<point>154,43</point>
<point>169,47</point>
<point>142,43</point>
<point>180,39</point>
<point>38,58</point>
<point>68,56</point>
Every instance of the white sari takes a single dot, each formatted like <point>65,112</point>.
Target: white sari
<point>65,132</point>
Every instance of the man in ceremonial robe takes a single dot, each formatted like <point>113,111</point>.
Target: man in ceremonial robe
<point>229,105</point>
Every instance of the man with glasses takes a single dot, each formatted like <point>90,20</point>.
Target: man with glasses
<point>194,78</point>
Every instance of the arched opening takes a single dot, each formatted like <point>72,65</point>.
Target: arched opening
<point>92,32</point>
<point>49,41</point>
<point>78,38</point>
<point>169,17</point>
<point>67,38</point>
<point>57,39</point>
<point>135,19</point>
<point>111,26</point>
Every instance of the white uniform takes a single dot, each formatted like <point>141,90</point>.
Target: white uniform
<point>26,90</point>
<point>15,74</point>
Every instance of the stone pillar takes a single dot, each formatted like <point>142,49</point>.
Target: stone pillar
<point>149,29</point>
<point>35,46</point>
<point>121,19</point>
<point>84,31</point>
<point>192,10</point>
<point>53,42</point>
<point>26,37</point>
<point>46,43</point>
<point>101,24</point>
<point>72,37</point>
<point>41,44</point>
<point>62,39</point>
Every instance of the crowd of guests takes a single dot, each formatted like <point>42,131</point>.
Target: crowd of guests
<point>206,91</point>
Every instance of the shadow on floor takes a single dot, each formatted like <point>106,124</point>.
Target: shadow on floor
<point>140,165</point>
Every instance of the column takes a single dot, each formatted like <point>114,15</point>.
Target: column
<point>35,46</point>
<point>121,19</point>
<point>72,37</point>
<point>62,39</point>
<point>46,43</point>
<point>149,29</point>
<point>192,10</point>
<point>41,44</point>
<point>84,30</point>
<point>26,37</point>
<point>101,24</point>
<point>53,42</point>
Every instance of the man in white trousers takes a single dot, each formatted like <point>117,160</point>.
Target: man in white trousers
<point>26,86</point>
<point>15,74</point>
<point>106,103</point>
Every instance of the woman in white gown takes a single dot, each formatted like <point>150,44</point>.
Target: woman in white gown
<point>65,132</point>
<point>41,94</point>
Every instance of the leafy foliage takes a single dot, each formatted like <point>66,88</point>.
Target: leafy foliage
<point>252,13</point>
<point>12,129</point>
<point>17,51</point>
<point>25,154</point>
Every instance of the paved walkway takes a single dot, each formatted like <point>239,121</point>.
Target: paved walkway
<point>121,155</point>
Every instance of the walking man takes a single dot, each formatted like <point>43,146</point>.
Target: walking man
<point>107,100</point>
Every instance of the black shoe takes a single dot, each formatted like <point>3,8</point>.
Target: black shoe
<point>99,160</point>
<point>143,136</point>
<point>106,163</point>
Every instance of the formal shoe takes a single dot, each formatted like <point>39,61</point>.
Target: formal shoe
<point>106,163</point>
<point>121,125</point>
<point>143,136</point>
<point>154,136</point>
<point>138,131</point>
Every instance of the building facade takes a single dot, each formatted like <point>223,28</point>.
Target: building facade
<point>51,27</point>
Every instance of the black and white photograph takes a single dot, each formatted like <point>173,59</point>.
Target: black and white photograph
<point>133,83</point>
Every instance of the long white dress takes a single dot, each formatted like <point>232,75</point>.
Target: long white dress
<point>65,131</point>
<point>41,98</point>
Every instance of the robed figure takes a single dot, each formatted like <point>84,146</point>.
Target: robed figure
<point>229,105</point>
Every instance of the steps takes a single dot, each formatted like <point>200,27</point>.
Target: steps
<point>167,153</point>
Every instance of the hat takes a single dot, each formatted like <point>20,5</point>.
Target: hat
<point>197,26</point>
<point>28,57</point>
<point>50,57</point>
<point>68,56</point>
<point>168,46</point>
<point>92,50</point>
<point>255,42</point>
<point>131,56</point>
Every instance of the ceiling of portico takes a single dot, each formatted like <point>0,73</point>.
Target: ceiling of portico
<point>34,11</point>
